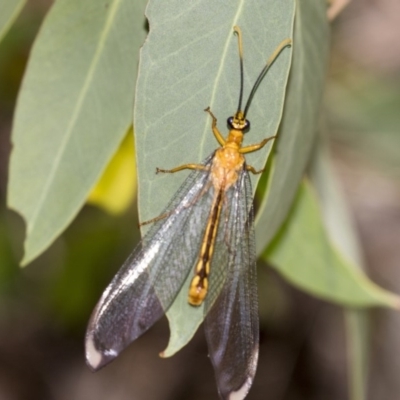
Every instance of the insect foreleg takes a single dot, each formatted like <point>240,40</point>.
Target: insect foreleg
<point>251,169</point>
<point>216,132</point>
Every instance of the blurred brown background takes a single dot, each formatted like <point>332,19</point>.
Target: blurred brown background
<point>45,306</point>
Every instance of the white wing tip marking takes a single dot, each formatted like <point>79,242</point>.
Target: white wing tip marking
<point>94,357</point>
<point>241,393</point>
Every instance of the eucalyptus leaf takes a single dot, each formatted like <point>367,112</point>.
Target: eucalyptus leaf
<point>73,110</point>
<point>300,117</point>
<point>190,61</point>
<point>337,221</point>
<point>9,11</point>
<point>304,254</point>
<point>183,321</point>
<point>336,216</point>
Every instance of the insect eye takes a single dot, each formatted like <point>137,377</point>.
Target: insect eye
<point>246,125</point>
<point>230,122</point>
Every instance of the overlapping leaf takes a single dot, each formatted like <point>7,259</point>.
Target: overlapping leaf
<point>190,61</point>
<point>74,108</point>
<point>305,255</point>
<point>337,220</point>
<point>300,117</point>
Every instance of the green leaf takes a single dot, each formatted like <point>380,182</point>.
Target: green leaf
<point>190,61</point>
<point>337,221</point>
<point>300,117</point>
<point>183,321</point>
<point>9,11</point>
<point>305,256</point>
<point>336,217</point>
<point>73,110</point>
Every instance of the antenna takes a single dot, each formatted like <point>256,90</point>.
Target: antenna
<point>271,60</point>
<point>239,35</point>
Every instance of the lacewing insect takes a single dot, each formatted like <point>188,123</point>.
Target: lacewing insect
<point>209,227</point>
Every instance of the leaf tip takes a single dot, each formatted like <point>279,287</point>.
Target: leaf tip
<point>168,352</point>
<point>25,260</point>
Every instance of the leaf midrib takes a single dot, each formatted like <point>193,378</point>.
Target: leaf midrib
<point>220,71</point>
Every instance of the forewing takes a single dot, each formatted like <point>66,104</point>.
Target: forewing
<point>231,325</point>
<point>149,280</point>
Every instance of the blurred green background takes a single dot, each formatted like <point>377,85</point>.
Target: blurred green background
<point>44,307</point>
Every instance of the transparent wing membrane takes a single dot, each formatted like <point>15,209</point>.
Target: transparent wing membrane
<point>153,274</point>
<point>231,324</point>
<point>207,230</point>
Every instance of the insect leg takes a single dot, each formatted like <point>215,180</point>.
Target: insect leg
<point>200,167</point>
<point>217,133</point>
<point>176,169</point>
<point>159,218</point>
<point>253,170</point>
<point>255,147</point>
